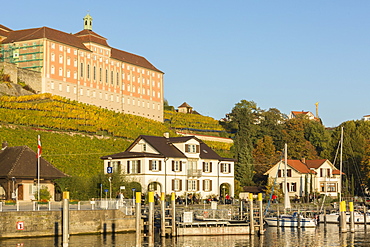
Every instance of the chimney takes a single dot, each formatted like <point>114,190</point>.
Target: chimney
<point>166,135</point>
<point>4,145</point>
<point>303,160</point>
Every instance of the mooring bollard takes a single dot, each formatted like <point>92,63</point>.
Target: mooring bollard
<point>261,213</point>
<point>65,231</point>
<point>352,226</point>
<point>151,214</point>
<point>173,203</point>
<point>163,215</point>
<point>138,219</point>
<point>343,216</point>
<point>251,216</point>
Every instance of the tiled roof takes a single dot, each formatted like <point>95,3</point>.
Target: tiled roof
<point>315,163</point>
<point>132,59</point>
<point>337,172</point>
<point>2,27</point>
<point>299,166</point>
<point>44,32</point>
<point>90,36</point>
<point>166,148</point>
<point>21,162</point>
<point>185,105</point>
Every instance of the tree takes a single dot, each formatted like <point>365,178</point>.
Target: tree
<point>244,117</point>
<point>271,124</point>
<point>265,156</point>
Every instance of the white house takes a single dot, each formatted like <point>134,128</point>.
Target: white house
<point>320,175</point>
<point>177,164</point>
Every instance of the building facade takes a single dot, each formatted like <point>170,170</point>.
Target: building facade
<point>83,67</point>
<point>303,175</point>
<point>178,164</point>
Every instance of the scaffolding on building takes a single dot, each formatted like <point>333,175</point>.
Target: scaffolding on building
<point>25,56</point>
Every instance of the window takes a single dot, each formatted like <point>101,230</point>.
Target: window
<point>155,165</point>
<point>60,72</point>
<point>67,89</point>
<point>82,69</point>
<point>225,168</point>
<point>282,171</point>
<point>322,186</point>
<point>176,165</point>
<point>88,71</point>
<point>52,70</point>
<point>60,87</point>
<point>68,61</point>
<point>144,147</point>
<point>191,148</point>
<point>68,73</point>
<point>207,185</point>
<point>207,167</point>
<point>52,85</point>
<point>332,187</point>
<point>293,187</point>
<point>52,57</point>
<point>176,184</point>
<point>133,167</point>
<point>60,59</point>
<point>94,73</point>
<point>192,185</point>
<point>106,76</point>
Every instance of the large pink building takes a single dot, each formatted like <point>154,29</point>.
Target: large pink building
<point>83,67</point>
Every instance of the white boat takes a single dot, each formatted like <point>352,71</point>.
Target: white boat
<point>333,218</point>
<point>291,221</point>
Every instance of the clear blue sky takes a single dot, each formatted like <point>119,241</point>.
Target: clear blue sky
<point>280,54</point>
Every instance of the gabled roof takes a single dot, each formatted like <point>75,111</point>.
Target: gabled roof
<point>90,36</point>
<point>21,162</point>
<point>185,105</point>
<point>2,27</point>
<point>44,32</point>
<point>165,148</point>
<point>315,163</point>
<point>300,167</point>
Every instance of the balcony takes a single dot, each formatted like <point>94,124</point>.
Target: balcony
<point>194,172</point>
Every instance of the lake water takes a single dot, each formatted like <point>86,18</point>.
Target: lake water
<point>274,237</point>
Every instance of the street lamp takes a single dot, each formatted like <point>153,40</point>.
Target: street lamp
<point>224,188</point>
<point>13,193</point>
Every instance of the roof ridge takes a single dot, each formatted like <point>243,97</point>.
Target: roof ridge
<point>16,163</point>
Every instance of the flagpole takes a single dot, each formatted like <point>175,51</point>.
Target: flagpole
<point>38,166</point>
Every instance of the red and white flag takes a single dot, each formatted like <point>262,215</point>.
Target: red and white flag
<point>39,150</point>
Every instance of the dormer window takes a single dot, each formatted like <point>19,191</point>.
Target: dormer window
<point>191,148</point>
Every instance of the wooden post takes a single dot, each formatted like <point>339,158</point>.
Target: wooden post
<point>298,220</point>
<point>163,215</point>
<point>278,218</point>
<point>261,232</point>
<point>352,226</point>
<point>325,217</point>
<point>138,219</point>
<point>173,203</point>
<point>251,216</point>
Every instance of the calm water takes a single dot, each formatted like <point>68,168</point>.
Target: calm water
<point>321,236</point>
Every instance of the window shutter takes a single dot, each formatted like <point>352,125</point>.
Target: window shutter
<point>186,147</point>
<point>210,166</point>
<point>287,187</point>
<point>187,185</point>
<point>173,165</point>
<point>229,168</point>
<point>204,185</point>
<point>279,173</point>
<point>173,184</point>
<point>150,165</point>
<point>139,166</point>
<point>204,166</point>
<point>180,166</point>
<point>160,165</point>
<point>197,148</point>
<point>180,182</point>
<point>128,167</point>
<point>197,185</point>
<point>210,185</point>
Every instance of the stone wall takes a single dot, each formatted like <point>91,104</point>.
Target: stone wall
<point>31,78</point>
<point>49,223</point>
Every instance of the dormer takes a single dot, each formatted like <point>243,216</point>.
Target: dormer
<point>143,147</point>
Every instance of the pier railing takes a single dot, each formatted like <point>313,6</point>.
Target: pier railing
<point>127,205</point>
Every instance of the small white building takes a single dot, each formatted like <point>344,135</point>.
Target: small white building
<point>321,175</point>
<point>177,164</point>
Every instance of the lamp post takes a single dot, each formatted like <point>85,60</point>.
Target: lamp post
<point>13,193</point>
<point>224,189</point>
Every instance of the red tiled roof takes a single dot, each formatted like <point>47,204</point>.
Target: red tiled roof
<point>132,59</point>
<point>44,32</point>
<point>185,105</point>
<point>337,172</point>
<point>2,27</point>
<point>300,167</point>
<point>315,163</point>
<point>90,36</point>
